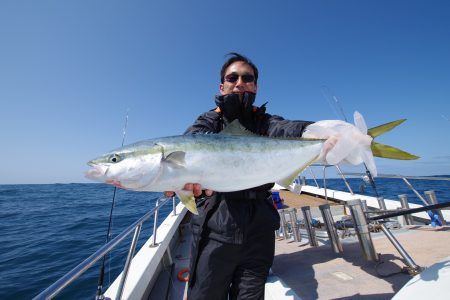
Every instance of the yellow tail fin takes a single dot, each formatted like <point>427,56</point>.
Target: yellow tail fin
<point>386,151</point>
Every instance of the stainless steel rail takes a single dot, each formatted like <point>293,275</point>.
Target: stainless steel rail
<point>429,194</point>
<point>405,179</point>
<point>345,180</point>
<point>339,171</point>
<point>73,274</point>
<point>413,268</point>
<point>400,176</point>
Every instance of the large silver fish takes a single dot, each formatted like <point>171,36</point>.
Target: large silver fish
<point>232,160</point>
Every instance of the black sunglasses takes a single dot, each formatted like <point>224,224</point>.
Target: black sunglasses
<point>232,78</point>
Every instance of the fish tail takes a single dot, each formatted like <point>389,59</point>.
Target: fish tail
<point>386,151</point>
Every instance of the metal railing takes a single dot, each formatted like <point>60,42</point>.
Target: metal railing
<point>339,171</point>
<point>428,194</point>
<point>404,178</point>
<point>135,228</point>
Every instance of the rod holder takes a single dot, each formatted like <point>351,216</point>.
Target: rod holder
<point>294,224</point>
<point>309,228</point>
<point>381,203</point>
<point>283,223</point>
<point>405,205</point>
<point>362,230</point>
<point>277,233</point>
<point>431,195</point>
<point>331,228</point>
<point>364,206</point>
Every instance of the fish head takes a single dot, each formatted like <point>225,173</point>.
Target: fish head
<point>133,168</point>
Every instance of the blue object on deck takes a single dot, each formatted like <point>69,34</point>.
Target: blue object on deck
<point>435,221</point>
<point>277,200</point>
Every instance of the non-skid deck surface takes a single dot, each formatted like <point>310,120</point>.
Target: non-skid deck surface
<point>181,257</point>
<point>168,286</point>
<point>300,200</point>
<point>318,273</point>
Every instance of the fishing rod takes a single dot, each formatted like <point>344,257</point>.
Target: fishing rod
<point>411,211</point>
<point>101,275</point>
<point>334,102</point>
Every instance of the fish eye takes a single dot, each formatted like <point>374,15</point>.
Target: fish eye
<point>115,158</point>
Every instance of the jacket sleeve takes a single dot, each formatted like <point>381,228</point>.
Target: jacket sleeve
<point>279,127</point>
<point>208,122</point>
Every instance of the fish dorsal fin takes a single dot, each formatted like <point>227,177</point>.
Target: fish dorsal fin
<point>236,128</point>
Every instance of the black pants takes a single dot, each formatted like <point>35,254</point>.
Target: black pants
<point>239,271</point>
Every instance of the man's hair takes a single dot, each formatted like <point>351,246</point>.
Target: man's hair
<point>234,57</point>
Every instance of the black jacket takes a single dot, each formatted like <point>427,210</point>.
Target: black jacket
<point>229,217</point>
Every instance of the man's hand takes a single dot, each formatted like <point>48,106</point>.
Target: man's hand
<point>345,142</point>
<point>195,188</point>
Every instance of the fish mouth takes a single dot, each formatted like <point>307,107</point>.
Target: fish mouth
<point>115,183</point>
<point>96,172</point>
<point>99,173</point>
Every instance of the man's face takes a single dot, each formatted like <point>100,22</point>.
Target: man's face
<point>238,79</point>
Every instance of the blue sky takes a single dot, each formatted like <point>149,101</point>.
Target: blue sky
<point>70,70</point>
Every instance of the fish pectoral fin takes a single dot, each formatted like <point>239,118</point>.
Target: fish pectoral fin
<point>236,128</point>
<point>176,159</point>
<point>188,199</point>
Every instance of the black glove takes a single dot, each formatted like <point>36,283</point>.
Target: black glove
<point>232,107</point>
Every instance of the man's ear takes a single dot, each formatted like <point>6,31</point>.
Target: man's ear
<point>221,89</point>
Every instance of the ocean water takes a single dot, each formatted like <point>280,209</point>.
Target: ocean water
<point>46,230</point>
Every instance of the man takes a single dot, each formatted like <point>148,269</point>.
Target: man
<point>234,240</point>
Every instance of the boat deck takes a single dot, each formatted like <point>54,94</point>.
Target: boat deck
<point>318,273</point>
<point>172,280</point>
<point>299,200</point>
<point>304,272</point>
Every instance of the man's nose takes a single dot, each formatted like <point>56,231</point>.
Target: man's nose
<point>240,82</point>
